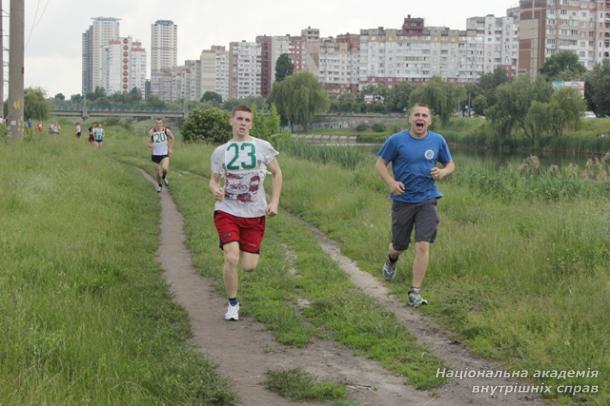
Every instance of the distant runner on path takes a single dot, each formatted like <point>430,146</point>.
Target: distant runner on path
<point>414,154</point>
<point>161,140</point>
<point>241,205</point>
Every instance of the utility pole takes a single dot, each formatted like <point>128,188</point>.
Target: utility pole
<point>15,70</point>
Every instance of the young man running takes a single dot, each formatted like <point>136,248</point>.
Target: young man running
<point>414,154</point>
<point>241,205</point>
<point>161,140</point>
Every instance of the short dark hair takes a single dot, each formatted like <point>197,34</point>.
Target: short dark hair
<point>241,107</point>
<point>419,105</point>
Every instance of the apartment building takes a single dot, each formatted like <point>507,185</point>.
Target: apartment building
<point>100,33</point>
<point>163,60</point>
<point>499,42</point>
<point>163,45</point>
<point>339,63</point>
<point>215,71</point>
<point>123,66</point>
<point>168,84</point>
<point>310,50</point>
<point>244,69</point>
<point>192,80</point>
<point>271,49</point>
<point>548,26</point>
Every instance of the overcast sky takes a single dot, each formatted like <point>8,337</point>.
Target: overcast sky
<point>53,28</point>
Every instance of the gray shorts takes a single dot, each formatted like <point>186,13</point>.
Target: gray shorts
<point>424,216</point>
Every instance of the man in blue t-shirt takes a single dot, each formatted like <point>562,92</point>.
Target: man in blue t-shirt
<point>414,154</point>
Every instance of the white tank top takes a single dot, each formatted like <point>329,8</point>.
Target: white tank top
<point>159,140</point>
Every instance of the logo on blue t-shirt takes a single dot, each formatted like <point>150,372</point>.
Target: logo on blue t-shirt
<point>429,154</point>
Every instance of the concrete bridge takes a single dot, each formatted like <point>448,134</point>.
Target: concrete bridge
<point>115,112</point>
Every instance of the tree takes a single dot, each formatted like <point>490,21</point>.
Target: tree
<point>98,93</point>
<point>265,124</point>
<point>134,95</point>
<point>597,89</point>
<point>35,104</point>
<point>563,65</point>
<point>155,102</point>
<point>345,103</point>
<point>299,97</point>
<point>513,101</point>
<point>283,67</point>
<point>211,97</point>
<point>59,97</point>
<point>442,97</point>
<point>76,98</point>
<point>479,104</point>
<point>488,83</point>
<point>398,97</point>
<point>547,120</point>
<point>211,125</point>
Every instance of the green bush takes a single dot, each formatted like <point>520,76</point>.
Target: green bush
<point>362,127</point>
<point>211,125</point>
<point>378,127</point>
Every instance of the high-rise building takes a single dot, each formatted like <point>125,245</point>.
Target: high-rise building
<point>271,49</point>
<point>100,33</point>
<point>168,84</point>
<point>311,50</point>
<point>192,80</point>
<point>215,71</point>
<point>339,63</point>
<point>244,69</point>
<point>417,54</point>
<point>548,26</point>
<point>499,42</point>
<point>124,66</point>
<point>296,53</point>
<point>163,45</point>
<point>163,60</point>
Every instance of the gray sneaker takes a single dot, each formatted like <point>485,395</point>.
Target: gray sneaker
<point>165,181</point>
<point>415,298</point>
<point>389,270</point>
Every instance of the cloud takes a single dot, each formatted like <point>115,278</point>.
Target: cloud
<point>55,74</point>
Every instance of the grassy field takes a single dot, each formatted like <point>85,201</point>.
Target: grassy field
<point>85,316</point>
<point>520,266</point>
<point>337,309</point>
<point>519,270</point>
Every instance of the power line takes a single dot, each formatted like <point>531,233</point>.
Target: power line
<point>37,19</point>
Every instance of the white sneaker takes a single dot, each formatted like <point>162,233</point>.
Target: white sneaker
<point>232,312</point>
<point>165,181</point>
<point>158,188</point>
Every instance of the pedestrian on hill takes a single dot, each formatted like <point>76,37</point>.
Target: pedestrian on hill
<point>98,135</point>
<point>414,154</point>
<point>241,207</point>
<point>161,141</point>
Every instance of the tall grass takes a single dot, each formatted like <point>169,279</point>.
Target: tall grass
<point>271,294</point>
<point>521,275</point>
<point>84,314</point>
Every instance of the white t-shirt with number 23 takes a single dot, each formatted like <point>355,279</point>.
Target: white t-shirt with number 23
<point>243,165</point>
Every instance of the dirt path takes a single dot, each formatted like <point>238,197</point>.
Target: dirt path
<point>432,337</point>
<point>244,350</point>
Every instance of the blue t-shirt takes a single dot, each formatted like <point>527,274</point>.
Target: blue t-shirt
<point>412,160</point>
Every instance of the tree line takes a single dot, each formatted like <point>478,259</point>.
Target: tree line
<point>518,107</point>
